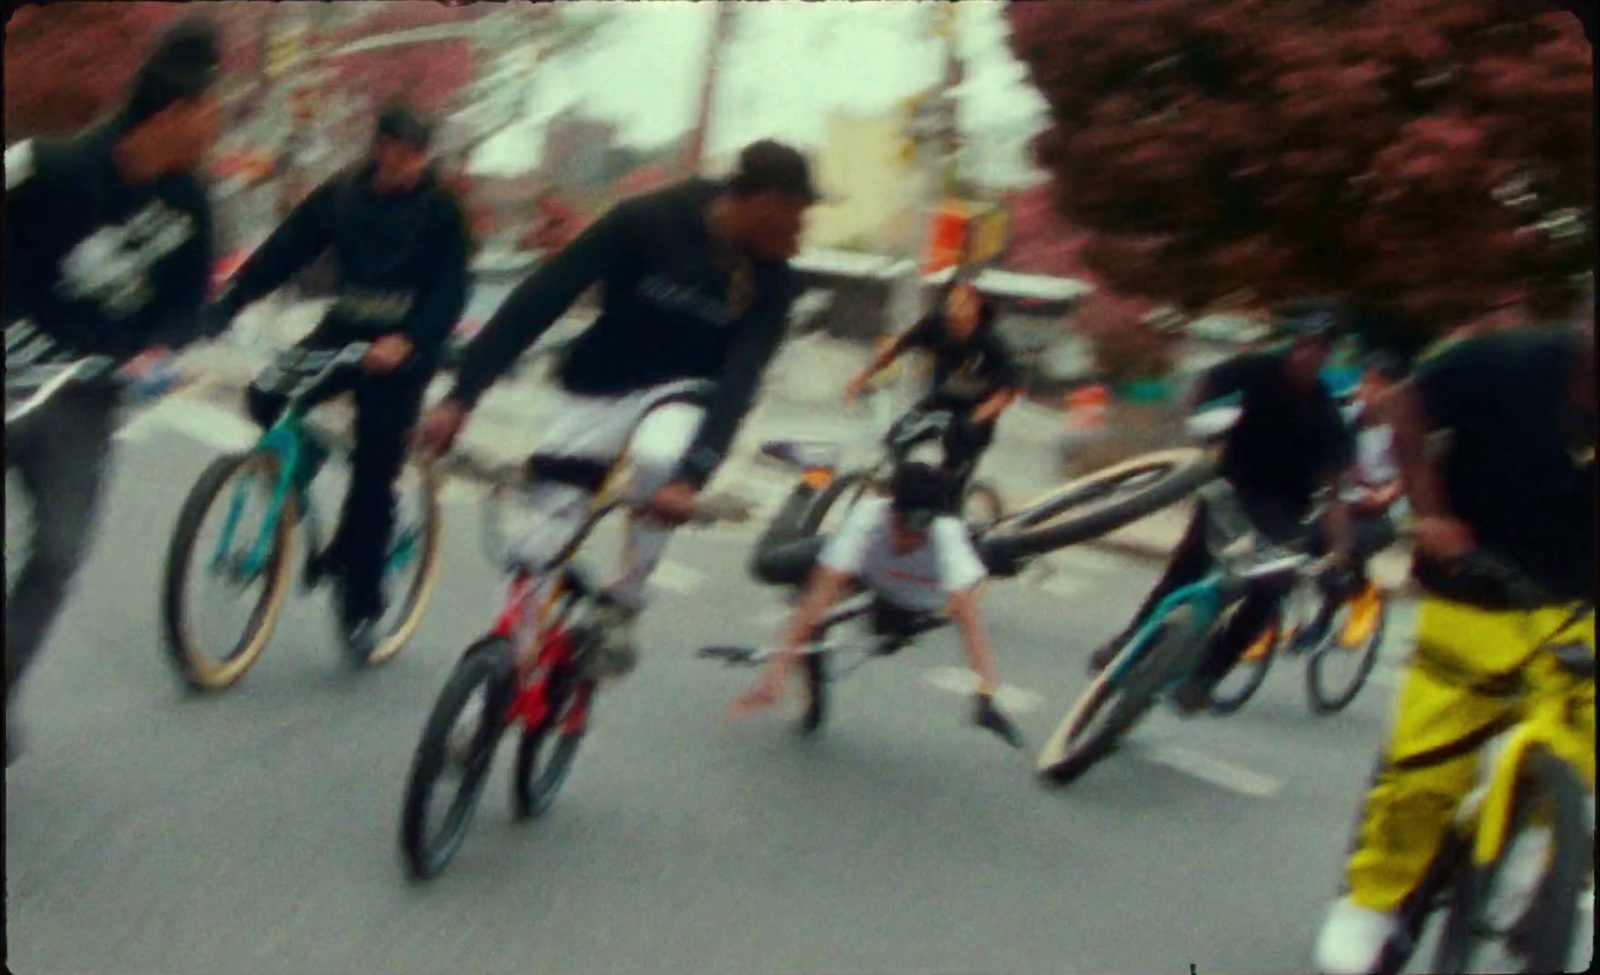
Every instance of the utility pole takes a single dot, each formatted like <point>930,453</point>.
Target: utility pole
<point>722,27</point>
<point>933,134</point>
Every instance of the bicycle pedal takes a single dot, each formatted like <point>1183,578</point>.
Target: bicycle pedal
<point>732,656</point>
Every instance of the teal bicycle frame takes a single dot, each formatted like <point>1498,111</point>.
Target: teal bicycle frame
<point>298,466</point>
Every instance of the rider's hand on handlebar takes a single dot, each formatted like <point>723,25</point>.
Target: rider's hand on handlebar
<point>675,503</point>
<point>439,427</point>
<point>1444,539</point>
<point>387,354</point>
<point>853,389</point>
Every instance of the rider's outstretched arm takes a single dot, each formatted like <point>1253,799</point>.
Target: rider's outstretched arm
<point>608,246</point>
<point>737,384</point>
<point>300,240</point>
<point>892,350</point>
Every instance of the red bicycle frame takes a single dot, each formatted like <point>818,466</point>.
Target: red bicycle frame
<point>519,623</point>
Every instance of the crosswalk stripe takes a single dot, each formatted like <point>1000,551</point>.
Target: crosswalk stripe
<point>677,577</point>
<point>1217,772</point>
<point>956,680</point>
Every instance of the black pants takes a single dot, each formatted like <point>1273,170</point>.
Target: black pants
<point>61,455</point>
<point>1192,561</point>
<point>964,444</point>
<point>386,409</point>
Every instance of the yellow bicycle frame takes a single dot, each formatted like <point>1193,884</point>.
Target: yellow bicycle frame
<point>1559,718</point>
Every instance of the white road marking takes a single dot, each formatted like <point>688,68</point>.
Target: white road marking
<point>1064,585</point>
<point>1213,770</point>
<point>677,577</point>
<point>463,493</point>
<point>956,680</point>
<point>197,420</point>
<point>1088,560</point>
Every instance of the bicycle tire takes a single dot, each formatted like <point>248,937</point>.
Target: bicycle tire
<point>1060,763</point>
<point>1552,916</point>
<point>1040,526</point>
<point>1225,704</point>
<point>420,592</point>
<point>533,791</point>
<point>994,506</point>
<point>197,673</point>
<point>861,481</point>
<point>1325,703</point>
<point>488,663</point>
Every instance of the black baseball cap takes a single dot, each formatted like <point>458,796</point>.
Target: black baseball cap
<point>772,167</point>
<point>404,125</point>
<point>185,62</point>
<point>919,493</point>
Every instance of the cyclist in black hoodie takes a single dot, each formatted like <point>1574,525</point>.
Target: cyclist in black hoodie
<point>107,253</point>
<point>401,242</point>
<point>695,284</point>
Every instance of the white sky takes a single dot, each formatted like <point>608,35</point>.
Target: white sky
<point>787,65</point>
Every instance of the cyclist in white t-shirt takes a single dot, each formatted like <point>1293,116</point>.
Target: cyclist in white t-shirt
<point>917,561</point>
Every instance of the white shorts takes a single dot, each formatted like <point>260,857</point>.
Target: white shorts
<point>602,429</point>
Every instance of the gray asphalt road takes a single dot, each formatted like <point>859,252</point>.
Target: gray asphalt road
<point>255,832</point>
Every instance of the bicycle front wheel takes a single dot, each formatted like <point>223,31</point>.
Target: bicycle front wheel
<point>412,565</point>
<point>1117,698</point>
<point>249,566</point>
<point>1519,913</point>
<point>1106,500</point>
<point>458,741</point>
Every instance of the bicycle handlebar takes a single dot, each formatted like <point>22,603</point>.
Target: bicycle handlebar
<point>51,379</point>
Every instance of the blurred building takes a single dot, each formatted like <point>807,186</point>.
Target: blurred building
<point>863,165</point>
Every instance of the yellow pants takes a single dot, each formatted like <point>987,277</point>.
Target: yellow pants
<point>1455,699</point>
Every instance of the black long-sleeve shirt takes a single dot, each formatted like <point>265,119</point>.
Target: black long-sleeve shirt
<point>664,316</point>
<point>99,265</point>
<point>402,261</point>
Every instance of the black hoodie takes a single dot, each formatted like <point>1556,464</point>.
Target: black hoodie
<point>401,261</point>
<point>100,265</point>
<point>664,316</point>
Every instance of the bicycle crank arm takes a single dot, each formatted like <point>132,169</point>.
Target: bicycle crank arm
<point>735,656</point>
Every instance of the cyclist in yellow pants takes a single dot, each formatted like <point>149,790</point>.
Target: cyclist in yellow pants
<point>1495,442</point>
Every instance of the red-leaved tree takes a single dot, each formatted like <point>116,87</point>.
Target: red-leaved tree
<point>1420,156</point>
<point>66,64</point>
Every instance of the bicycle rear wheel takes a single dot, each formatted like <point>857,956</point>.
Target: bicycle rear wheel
<point>254,477</point>
<point>486,671</point>
<point>981,505</point>
<point>413,561</point>
<point>1106,500</point>
<point>1118,699</point>
<point>1241,683</point>
<point>546,752</point>
<point>1353,641</point>
<point>837,499</point>
<point>1550,828</point>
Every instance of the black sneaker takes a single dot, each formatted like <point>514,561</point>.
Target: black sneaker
<point>986,715</point>
<point>614,653</point>
<point>815,668</point>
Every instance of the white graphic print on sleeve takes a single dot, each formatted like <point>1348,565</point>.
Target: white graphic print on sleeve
<point>111,267</point>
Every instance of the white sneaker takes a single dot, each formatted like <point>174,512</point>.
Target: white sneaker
<point>1353,939</point>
